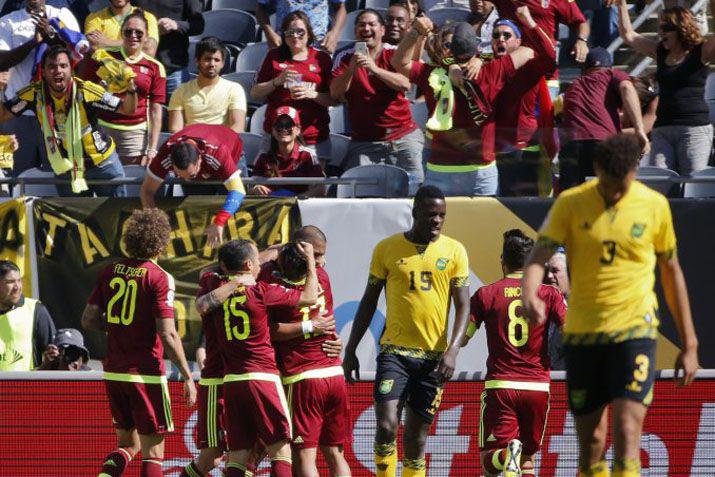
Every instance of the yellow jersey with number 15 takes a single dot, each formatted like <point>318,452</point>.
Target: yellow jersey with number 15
<point>612,255</point>
<point>418,279</point>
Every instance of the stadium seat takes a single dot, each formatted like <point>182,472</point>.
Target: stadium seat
<point>38,190</point>
<point>338,150</point>
<point>251,146</point>
<point>439,16</point>
<point>245,79</point>
<point>665,187</point>
<point>377,4</point>
<point>251,57</point>
<point>391,182</point>
<point>342,44</point>
<point>245,5</point>
<point>257,118</point>
<point>338,124</point>
<point>420,114</point>
<point>137,171</point>
<point>348,32</point>
<point>230,26</point>
<point>428,5</point>
<point>163,136</point>
<point>702,189</point>
<point>710,96</point>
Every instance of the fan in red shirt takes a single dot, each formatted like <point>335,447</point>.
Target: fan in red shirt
<point>296,74</point>
<point>382,127</point>
<point>255,404</point>
<point>515,401</point>
<point>287,157</point>
<point>461,109</point>
<point>200,152</point>
<point>314,380</point>
<point>133,302</point>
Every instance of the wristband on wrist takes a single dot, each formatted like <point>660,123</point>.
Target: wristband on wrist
<point>585,40</point>
<point>307,327</point>
<point>221,218</point>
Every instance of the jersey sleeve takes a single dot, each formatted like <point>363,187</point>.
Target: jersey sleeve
<point>259,167</point>
<point>17,105</point>
<point>326,65</point>
<point>93,22</point>
<point>476,312</point>
<point>664,240</point>
<point>556,225</point>
<point>157,91</point>
<point>176,102</point>
<point>341,64</point>
<point>569,13</point>
<point>460,273</point>
<point>557,307</point>
<point>163,289</point>
<point>156,167</point>
<point>98,97</point>
<point>378,270</point>
<point>152,26</point>
<point>266,73</point>
<point>277,295</point>
<point>419,72</point>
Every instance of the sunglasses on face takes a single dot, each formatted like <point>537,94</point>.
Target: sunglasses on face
<point>296,32</point>
<point>283,126</point>
<point>129,32</point>
<point>498,34</point>
<point>667,27</point>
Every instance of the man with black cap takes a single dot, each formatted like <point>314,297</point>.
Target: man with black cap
<point>200,152</point>
<point>591,114</point>
<point>66,352</point>
<point>462,127</point>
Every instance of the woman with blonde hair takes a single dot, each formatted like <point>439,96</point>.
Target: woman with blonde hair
<point>682,135</point>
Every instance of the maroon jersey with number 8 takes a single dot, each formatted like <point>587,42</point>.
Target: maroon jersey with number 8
<point>518,351</point>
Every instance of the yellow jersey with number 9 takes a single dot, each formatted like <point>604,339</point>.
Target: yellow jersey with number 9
<point>418,279</point>
<point>612,255</point>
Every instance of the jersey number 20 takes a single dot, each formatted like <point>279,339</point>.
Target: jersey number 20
<point>126,291</point>
<point>231,310</point>
<point>518,327</point>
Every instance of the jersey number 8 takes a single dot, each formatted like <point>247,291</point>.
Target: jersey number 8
<point>126,290</point>
<point>231,310</point>
<point>517,321</point>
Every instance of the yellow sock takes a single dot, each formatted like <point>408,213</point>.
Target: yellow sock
<point>599,469</point>
<point>386,459</point>
<point>627,468</point>
<point>414,468</point>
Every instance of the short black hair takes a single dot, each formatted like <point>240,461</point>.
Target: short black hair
<point>517,247</point>
<point>292,262</point>
<point>234,253</point>
<point>183,155</point>
<point>53,52</point>
<point>618,155</point>
<point>374,12</point>
<point>309,233</point>
<point>428,192</point>
<point>6,266</point>
<point>210,44</point>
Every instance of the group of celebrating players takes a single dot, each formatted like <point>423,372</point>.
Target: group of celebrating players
<point>272,383</point>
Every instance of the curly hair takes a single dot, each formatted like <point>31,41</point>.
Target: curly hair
<point>618,155</point>
<point>435,44</point>
<point>684,21</point>
<point>147,233</point>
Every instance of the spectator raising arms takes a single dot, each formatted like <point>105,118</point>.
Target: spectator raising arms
<point>682,136</point>
<point>287,157</point>
<point>483,17</point>
<point>137,135</point>
<point>298,75</point>
<point>209,99</point>
<point>104,28</point>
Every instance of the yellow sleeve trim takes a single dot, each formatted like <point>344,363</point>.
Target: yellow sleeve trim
<point>314,374</point>
<point>520,385</point>
<point>134,378</point>
<point>471,329</point>
<point>229,378</point>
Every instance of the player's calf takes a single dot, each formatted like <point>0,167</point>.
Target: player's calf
<point>208,459</point>
<point>281,462</point>
<point>506,460</point>
<point>335,457</point>
<point>117,460</point>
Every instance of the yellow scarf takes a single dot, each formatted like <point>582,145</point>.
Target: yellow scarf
<point>441,119</point>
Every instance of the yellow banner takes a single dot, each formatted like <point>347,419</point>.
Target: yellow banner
<point>14,239</point>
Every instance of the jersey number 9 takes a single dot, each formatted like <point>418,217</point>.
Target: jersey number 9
<point>516,320</point>
<point>126,291</point>
<point>230,311</point>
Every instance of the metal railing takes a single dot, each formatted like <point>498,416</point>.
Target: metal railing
<point>640,20</point>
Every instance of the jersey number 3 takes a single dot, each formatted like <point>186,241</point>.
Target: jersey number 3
<point>242,329</point>
<point>518,329</point>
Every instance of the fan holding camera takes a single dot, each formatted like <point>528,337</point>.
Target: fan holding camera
<point>66,352</point>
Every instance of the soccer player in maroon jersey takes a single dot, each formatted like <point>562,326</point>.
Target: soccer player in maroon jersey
<point>255,405</point>
<point>134,303</point>
<point>314,380</point>
<point>515,400</point>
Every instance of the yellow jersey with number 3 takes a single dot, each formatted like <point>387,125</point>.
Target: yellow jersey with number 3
<point>612,255</point>
<point>418,280</point>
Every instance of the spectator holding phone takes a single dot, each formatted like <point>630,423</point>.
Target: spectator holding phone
<point>66,352</point>
<point>298,75</point>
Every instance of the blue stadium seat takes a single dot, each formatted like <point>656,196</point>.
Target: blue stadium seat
<point>257,118</point>
<point>348,32</point>
<point>230,26</point>
<point>665,187</point>
<point>246,80</point>
<point>702,189</point>
<point>439,16</point>
<point>391,182</point>
<point>245,5</point>
<point>338,150</point>
<point>251,57</point>
<point>38,190</point>
<point>251,146</point>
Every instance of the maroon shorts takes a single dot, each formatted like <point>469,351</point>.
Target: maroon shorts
<point>210,426</point>
<point>508,414</point>
<point>321,412</point>
<point>256,412</point>
<point>143,406</point>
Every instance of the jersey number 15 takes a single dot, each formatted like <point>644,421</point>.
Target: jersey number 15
<point>242,329</point>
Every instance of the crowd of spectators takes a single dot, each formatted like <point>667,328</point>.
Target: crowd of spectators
<point>498,122</point>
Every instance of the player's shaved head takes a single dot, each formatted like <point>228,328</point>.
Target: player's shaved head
<point>311,234</point>
<point>146,233</point>
<point>516,249</point>
<point>292,263</point>
<point>233,255</point>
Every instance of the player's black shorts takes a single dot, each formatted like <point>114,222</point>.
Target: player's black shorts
<point>410,380</point>
<point>598,374</point>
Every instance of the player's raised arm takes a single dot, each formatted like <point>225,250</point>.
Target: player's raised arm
<point>361,323</point>
<point>310,293</point>
<point>321,325</point>
<point>214,299</point>
<point>533,277</point>
<point>174,349</point>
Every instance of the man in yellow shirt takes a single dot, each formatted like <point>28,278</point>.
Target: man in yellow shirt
<point>420,269</point>
<point>104,27</point>
<point>615,230</point>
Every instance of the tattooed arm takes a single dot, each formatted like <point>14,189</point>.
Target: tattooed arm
<point>214,299</point>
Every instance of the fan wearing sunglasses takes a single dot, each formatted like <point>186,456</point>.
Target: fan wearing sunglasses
<point>104,31</point>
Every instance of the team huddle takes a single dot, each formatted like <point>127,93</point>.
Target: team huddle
<point>272,383</point>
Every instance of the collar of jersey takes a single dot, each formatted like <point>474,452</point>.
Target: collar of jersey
<point>515,275</point>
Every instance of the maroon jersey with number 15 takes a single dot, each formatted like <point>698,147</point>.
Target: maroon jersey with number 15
<point>518,351</point>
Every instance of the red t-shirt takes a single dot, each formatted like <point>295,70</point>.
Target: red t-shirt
<point>150,82</point>
<point>243,331</point>
<point>134,293</point>
<point>591,106</point>
<point>466,143</point>
<point>212,325</point>
<point>314,118</point>
<point>376,111</point>
<point>301,163</point>
<point>303,353</point>
<point>517,351</point>
<point>220,150</point>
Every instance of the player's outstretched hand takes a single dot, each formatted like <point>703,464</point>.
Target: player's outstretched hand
<point>535,310</point>
<point>323,324</point>
<point>687,362</point>
<point>189,393</point>
<point>214,235</point>
<point>525,16</point>
<point>350,364</point>
<point>333,348</point>
<point>445,368</point>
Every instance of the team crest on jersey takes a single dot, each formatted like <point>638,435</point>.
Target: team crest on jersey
<point>312,68</point>
<point>578,398</point>
<point>441,263</point>
<point>544,3</point>
<point>386,385</point>
<point>637,230</point>
<point>282,66</point>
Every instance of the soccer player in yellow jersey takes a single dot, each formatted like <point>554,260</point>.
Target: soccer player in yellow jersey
<point>615,230</point>
<point>420,270</point>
